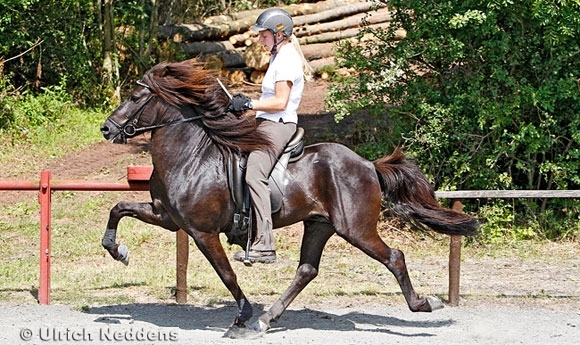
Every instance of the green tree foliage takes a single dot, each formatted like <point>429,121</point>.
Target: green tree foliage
<point>68,37</point>
<point>50,42</point>
<point>485,93</point>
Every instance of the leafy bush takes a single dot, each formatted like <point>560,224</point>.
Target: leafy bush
<point>48,124</point>
<point>485,93</point>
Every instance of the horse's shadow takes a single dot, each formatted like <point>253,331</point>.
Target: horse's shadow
<point>219,318</point>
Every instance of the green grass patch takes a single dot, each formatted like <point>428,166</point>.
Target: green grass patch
<point>74,132</point>
<point>40,127</point>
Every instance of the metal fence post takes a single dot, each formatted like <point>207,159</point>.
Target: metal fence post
<point>44,200</point>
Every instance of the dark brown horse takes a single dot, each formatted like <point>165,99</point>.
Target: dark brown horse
<point>330,189</point>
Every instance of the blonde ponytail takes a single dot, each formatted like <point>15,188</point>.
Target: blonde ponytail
<point>306,68</point>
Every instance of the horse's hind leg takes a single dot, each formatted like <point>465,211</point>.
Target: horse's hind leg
<point>371,244</point>
<point>145,212</point>
<point>316,234</point>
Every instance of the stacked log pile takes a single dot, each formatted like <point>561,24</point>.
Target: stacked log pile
<point>226,43</point>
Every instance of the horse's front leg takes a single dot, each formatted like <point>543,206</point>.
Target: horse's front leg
<point>147,212</point>
<point>209,244</point>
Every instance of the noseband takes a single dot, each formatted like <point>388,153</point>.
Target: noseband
<point>129,129</point>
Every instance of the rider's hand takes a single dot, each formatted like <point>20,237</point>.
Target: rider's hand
<point>240,103</point>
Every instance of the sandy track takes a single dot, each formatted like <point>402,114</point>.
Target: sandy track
<point>187,324</point>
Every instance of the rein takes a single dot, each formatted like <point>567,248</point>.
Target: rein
<point>128,129</point>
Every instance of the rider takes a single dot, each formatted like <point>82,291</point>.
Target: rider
<point>276,114</point>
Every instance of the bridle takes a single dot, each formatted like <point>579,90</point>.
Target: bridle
<point>129,129</point>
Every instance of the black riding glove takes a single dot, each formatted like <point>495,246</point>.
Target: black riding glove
<point>240,103</point>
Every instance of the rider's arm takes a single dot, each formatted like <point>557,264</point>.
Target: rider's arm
<point>276,103</point>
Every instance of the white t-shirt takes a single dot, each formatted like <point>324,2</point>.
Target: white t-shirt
<point>286,65</point>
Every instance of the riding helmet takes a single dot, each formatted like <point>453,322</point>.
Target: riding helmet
<point>275,20</point>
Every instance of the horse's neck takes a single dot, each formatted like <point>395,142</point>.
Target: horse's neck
<point>174,146</point>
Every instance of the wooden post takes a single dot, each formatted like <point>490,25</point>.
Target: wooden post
<point>44,200</point>
<point>182,259</point>
<point>454,261</point>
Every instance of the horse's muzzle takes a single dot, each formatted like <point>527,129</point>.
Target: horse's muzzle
<point>113,135</point>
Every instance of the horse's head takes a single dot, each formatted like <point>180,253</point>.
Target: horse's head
<point>127,120</point>
<point>180,91</point>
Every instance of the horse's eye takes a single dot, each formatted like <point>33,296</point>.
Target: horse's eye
<point>134,98</point>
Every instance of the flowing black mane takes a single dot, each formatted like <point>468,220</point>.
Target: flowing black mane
<point>190,83</point>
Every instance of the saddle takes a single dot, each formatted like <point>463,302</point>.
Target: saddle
<point>240,193</point>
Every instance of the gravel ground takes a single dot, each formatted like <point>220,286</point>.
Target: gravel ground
<point>187,324</point>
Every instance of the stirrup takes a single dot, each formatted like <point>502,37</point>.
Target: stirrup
<point>253,256</point>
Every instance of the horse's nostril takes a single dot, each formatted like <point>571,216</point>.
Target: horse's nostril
<point>105,129</point>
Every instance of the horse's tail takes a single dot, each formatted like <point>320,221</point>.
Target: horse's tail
<point>410,196</point>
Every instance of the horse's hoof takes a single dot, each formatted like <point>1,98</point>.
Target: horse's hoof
<point>123,254</point>
<point>236,332</point>
<point>260,326</point>
<point>435,303</point>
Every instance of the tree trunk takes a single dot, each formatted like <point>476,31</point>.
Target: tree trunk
<point>257,77</point>
<point>319,63</point>
<point>197,32</point>
<point>195,49</point>
<point>237,76</point>
<point>318,50</point>
<point>242,40</point>
<point>171,12</point>
<point>110,63</point>
<point>338,35</point>
<point>293,10</point>
<point>227,59</point>
<point>380,16</point>
<point>146,37</point>
<point>257,57</point>
<point>333,14</point>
